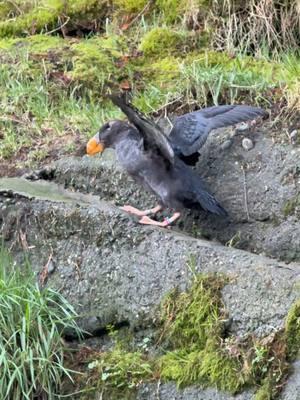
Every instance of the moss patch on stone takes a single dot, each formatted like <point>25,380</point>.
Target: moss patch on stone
<point>264,392</point>
<point>292,331</point>
<point>193,349</point>
<point>200,352</point>
<point>189,317</point>
<point>193,326</point>
<point>119,372</point>
<point>292,206</point>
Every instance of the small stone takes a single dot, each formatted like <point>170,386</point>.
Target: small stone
<point>242,127</point>
<point>51,267</point>
<point>31,176</point>
<point>294,136</point>
<point>247,144</point>
<point>226,144</point>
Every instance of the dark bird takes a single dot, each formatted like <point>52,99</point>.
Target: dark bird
<point>150,158</point>
<point>190,131</point>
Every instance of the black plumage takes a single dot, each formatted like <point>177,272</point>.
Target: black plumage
<point>153,159</point>
<point>175,184</point>
<point>190,131</point>
<point>149,129</point>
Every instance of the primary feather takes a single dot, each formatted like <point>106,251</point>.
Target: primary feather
<point>191,130</point>
<point>152,133</point>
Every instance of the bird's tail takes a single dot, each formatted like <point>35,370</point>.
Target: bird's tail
<point>208,202</point>
<point>195,193</point>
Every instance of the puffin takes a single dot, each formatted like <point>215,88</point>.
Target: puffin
<point>160,163</point>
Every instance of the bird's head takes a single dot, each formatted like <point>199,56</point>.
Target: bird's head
<point>105,137</point>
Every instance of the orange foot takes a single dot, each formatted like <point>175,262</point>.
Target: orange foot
<point>168,221</point>
<point>140,213</point>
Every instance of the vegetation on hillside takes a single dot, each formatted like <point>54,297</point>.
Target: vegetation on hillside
<point>60,58</point>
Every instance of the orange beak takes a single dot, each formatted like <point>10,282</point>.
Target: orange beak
<point>93,147</point>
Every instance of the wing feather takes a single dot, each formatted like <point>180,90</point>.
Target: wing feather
<point>151,132</point>
<point>191,130</point>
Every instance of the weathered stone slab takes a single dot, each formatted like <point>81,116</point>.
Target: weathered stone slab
<point>114,270</point>
<point>259,188</point>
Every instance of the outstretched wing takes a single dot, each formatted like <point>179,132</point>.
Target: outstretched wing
<point>191,130</point>
<point>151,132</point>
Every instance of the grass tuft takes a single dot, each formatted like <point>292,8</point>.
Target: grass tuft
<point>32,322</point>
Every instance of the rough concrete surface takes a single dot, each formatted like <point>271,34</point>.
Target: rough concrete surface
<point>259,189</point>
<point>114,270</point>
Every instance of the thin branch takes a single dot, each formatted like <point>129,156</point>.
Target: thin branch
<point>245,193</point>
<point>59,28</point>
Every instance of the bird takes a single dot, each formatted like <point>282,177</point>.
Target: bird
<point>154,161</point>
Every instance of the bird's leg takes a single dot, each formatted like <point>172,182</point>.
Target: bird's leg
<point>141,213</point>
<point>167,221</point>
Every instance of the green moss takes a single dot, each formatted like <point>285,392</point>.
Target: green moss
<point>192,329</point>
<point>291,206</point>
<point>174,10</point>
<point>190,317</point>
<point>121,370</point>
<point>292,331</point>
<point>41,43</point>
<point>37,19</point>
<point>93,63</point>
<point>162,72</point>
<point>130,6</point>
<point>161,42</point>
<point>47,15</point>
<point>34,43</point>
<point>159,81</point>
<point>220,369</point>
<point>196,351</point>
<point>265,391</point>
<point>118,373</point>
<point>88,64</point>
<point>7,44</point>
<point>209,367</point>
